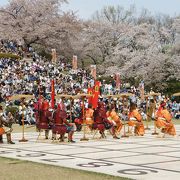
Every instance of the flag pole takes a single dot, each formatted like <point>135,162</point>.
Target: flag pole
<point>124,135</point>
<point>23,138</point>
<point>155,132</point>
<point>147,123</point>
<point>84,124</point>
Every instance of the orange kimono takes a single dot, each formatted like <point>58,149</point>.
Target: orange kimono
<point>135,119</point>
<point>164,121</point>
<point>89,116</point>
<point>114,118</point>
<point>2,131</point>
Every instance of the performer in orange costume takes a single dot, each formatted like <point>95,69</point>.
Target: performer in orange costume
<point>114,118</point>
<point>135,119</point>
<point>89,115</point>
<point>164,120</point>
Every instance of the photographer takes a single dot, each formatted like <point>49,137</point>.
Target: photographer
<point>6,126</point>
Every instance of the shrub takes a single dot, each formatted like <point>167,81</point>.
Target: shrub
<point>12,109</point>
<point>8,55</point>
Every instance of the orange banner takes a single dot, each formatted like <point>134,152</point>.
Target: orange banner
<point>118,82</point>
<point>54,56</point>
<point>74,63</point>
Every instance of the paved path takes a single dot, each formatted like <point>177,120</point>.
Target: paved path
<point>144,158</point>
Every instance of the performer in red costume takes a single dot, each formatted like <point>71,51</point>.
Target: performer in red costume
<point>43,116</point>
<point>101,122</point>
<point>61,125</point>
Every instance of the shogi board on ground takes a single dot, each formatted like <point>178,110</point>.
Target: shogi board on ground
<point>147,157</point>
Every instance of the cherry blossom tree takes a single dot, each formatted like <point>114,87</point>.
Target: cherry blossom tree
<point>38,22</point>
<point>144,47</point>
<point>138,46</point>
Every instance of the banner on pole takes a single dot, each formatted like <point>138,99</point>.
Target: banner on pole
<point>90,92</point>
<point>74,63</point>
<point>54,56</point>
<point>96,93</point>
<point>93,71</point>
<point>141,89</point>
<point>118,81</point>
<point>52,94</point>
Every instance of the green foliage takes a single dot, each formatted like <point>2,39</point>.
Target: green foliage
<point>45,54</point>
<point>107,79</point>
<point>12,109</point>
<point>173,87</point>
<point>8,55</point>
<point>87,62</point>
<point>175,50</point>
<point>166,48</point>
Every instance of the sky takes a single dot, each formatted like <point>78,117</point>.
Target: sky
<point>85,8</point>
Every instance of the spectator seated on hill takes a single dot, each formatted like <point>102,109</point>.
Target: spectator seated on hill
<point>177,115</point>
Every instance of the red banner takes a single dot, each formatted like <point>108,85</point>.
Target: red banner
<point>90,91</point>
<point>52,94</point>
<point>96,94</point>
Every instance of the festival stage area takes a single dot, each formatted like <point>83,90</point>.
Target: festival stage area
<point>146,158</point>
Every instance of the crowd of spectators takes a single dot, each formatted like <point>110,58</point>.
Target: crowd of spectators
<point>32,76</point>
